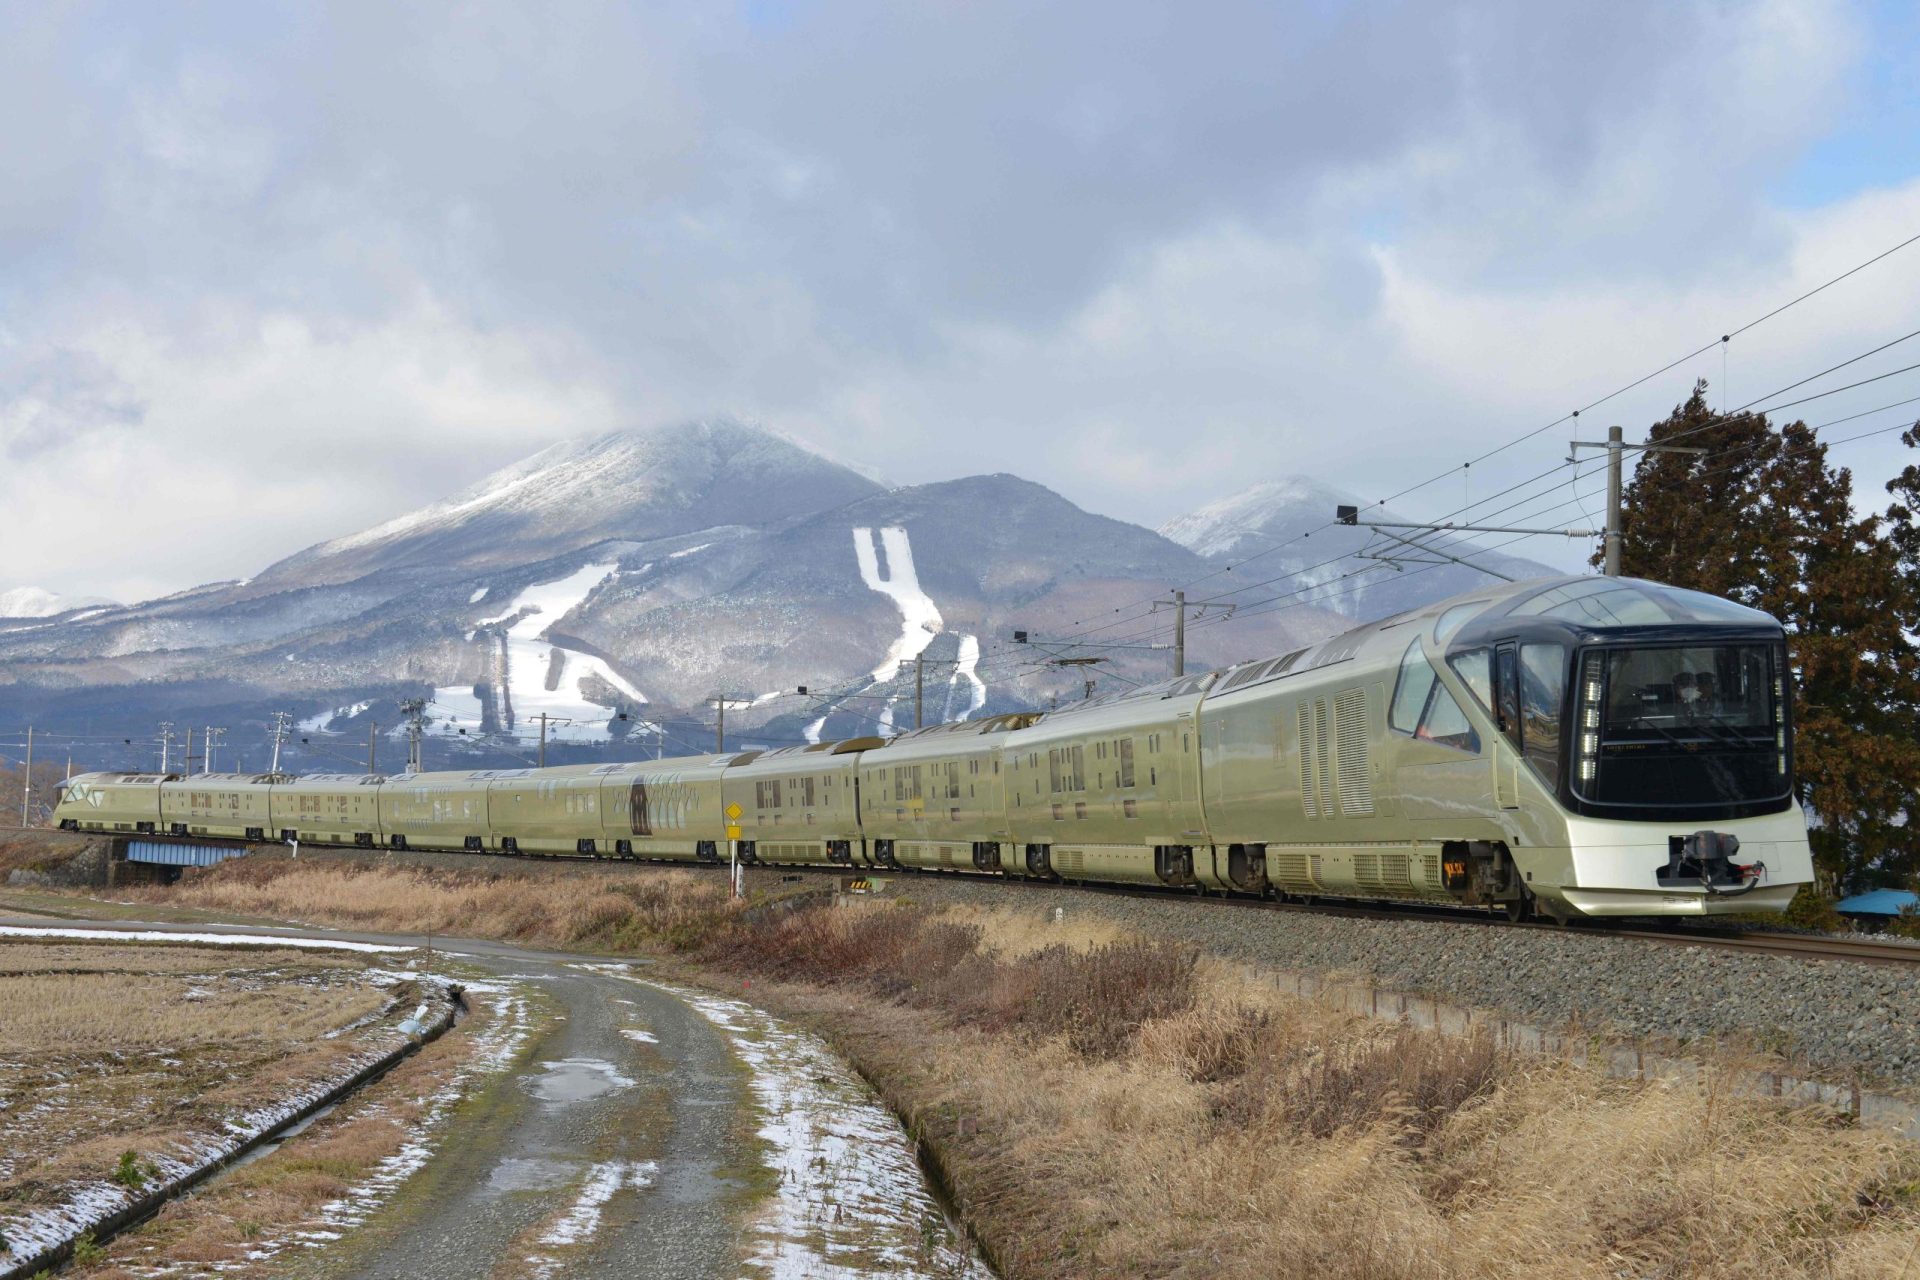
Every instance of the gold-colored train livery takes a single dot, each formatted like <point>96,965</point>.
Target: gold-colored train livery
<point>1577,746</point>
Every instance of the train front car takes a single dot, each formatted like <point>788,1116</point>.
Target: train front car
<point>1643,748</point>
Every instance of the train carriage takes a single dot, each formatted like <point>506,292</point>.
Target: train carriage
<point>1109,789</point>
<point>443,810</point>
<point>936,798</point>
<point>666,809</point>
<point>546,810</point>
<point>328,808</point>
<point>128,802</point>
<point>799,804</point>
<point>231,806</point>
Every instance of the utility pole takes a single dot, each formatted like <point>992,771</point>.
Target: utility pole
<point>415,710</point>
<point>1616,440</point>
<point>373,744</point>
<point>187,759</point>
<point>166,743</point>
<point>214,734</point>
<point>919,686</point>
<point>721,701</point>
<point>544,718</point>
<point>26,783</point>
<point>1179,606</point>
<point>282,726</point>
<point>1616,447</point>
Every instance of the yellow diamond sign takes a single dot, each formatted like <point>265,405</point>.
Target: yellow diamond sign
<point>733,813</point>
<point>733,832</point>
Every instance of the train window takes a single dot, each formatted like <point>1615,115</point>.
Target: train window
<point>1411,690</point>
<point>1475,667</point>
<point>1446,724</point>
<point>1126,762</point>
<point>1455,618</point>
<point>1543,683</point>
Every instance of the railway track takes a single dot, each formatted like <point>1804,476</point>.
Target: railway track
<point>1800,946</point>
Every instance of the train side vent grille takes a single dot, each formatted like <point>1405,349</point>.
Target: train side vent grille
<point>1314,870</point>
<point>1430,871</point>
<point>1309,788</point>
<point>1320,753</point>
<point>1070,862</point>
<point>1366,870</point>
<point>950,856</point>
<point>1289,870</point>
<point>1356,773</point>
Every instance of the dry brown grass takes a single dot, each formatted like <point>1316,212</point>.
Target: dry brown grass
<point>111,1047</point>
<point>591,910</point>
<point>1220,1129</point>
<point>267,1201</point>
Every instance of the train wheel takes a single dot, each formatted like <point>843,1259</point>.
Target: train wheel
<point>1520,909</point>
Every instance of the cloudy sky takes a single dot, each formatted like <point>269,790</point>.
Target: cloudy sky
<point>273,272</point>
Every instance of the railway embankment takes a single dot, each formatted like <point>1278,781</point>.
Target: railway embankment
<point>1823,1019</point>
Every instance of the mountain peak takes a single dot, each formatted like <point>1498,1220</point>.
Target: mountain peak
<point>1222,527</point>
<point>37,602</point>
<point>624,485</point>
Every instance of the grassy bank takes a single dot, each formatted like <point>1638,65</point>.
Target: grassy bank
<point>1106,1105</point>
<point>593,910</point>
<point>1116,1107</point>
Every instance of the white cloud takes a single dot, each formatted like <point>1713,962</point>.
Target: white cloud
<point>273,281</point>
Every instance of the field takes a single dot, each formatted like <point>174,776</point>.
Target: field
<point>119,1063</point>
<point>1102,1104</point>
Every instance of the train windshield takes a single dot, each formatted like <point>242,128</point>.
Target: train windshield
<point>1695,726</point>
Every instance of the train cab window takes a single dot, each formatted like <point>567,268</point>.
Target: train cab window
<point>1475,667</point>
<point>1444,723</point>
<point>1543,684</point>
<point>1411,690</point>
<point>1423,708</point>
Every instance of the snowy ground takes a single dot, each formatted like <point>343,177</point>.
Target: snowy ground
<point>215,939</point>
<point>852,1202</point>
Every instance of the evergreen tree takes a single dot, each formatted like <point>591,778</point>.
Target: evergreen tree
<point>1763,519</point>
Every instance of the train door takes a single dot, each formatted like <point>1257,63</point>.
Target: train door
<point>1506,715</point>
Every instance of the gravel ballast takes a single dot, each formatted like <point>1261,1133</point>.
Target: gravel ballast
<point>1830,1019</point>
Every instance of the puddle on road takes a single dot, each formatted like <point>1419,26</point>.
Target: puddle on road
<point>577,1080</point>
<point>531,1173</point>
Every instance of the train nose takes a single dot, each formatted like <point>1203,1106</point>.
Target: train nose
<point>1706,859</point>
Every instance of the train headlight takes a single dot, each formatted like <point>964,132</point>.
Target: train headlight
<point>1588,763</point>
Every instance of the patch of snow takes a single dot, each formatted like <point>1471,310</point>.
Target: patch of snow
<point>851,1202</point>
<point>215,939</point>
<point>536,674</point>
<point>478,596</point>
<point>582,1219</point>
<point>966,669</point>
<point>438,512</point>
<point>317,723</point>
<point>37,602</point>
<point>812,732</point>
<point>919,617</point>
<point>644,1037</point>
<point>675,555</point>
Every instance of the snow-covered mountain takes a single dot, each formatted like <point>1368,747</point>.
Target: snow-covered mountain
<point>635,485</point>
<point>37,602</point>
<point>1272,533</point>
<point>605,590</point>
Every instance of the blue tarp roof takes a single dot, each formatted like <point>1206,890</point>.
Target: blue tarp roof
<point>1877,902</point>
